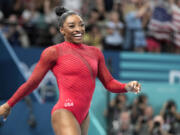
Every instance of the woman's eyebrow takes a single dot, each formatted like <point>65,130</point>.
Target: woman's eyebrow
<point>70,23</point>
<point>81,22</point>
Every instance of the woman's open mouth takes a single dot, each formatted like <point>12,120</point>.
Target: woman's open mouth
<point>78,36</point>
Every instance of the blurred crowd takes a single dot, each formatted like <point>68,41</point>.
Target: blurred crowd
<point>128,25</point>
<point>139,118</point>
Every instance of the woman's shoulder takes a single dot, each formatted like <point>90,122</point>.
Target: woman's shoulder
<point>50,52</point>
<point>53,48</point>
<point>58,44</point>
<point>50,49</point>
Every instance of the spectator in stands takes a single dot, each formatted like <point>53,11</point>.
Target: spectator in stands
<point>30,17</point>
<point>171,117</point>
<point>148,113</point>
<point>160,27</point>
<point>138,107</point>
<point>1,15</point>
<point>144,122</point>
<point>113,39</point>
<point>18,7</point>
<point>93,36</point>
<point>37,19</point>
<point>118,7</point>
<point>49,14</point>
<point>116,106</point>
<point>94,17</point>
<point>14,32</point>
<point>55,36</point>
<point>5,7</point>
<point>141,103</point>
<point>153,45</point>
<point>157,126</point>
<point>100,5</point>
<point>123,125</point>
<point>75,5</point>
<point>176,24</point>
<point>135,38</point>
<point>108,5</point>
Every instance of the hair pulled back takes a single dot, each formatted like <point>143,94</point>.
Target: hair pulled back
<point>63,13</point>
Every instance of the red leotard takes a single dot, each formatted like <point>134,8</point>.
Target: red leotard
<point>75,68</point>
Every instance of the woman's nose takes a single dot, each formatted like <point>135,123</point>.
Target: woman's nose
<point>77,28</point>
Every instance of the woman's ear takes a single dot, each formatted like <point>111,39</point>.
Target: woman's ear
<point>62,31</point>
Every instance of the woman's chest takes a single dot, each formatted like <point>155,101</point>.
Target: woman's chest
<point>78,62</point>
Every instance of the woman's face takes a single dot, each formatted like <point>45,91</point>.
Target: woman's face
<point>73,29</point>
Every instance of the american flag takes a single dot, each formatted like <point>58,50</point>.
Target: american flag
<point>176,24</point>
<point>160,26</point>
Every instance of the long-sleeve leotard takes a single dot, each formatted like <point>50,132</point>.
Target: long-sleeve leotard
<point>75,68</point>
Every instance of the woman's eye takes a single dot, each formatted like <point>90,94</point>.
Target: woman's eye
<point>71,26</point>
<point>82,25</point>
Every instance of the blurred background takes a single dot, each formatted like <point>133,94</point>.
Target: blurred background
<point>140,40</point>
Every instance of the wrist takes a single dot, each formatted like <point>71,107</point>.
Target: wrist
<point>124,87</point>
<point>7,106</point>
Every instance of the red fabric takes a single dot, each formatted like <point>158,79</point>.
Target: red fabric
<point>75,68</point>
<point>152,45</point>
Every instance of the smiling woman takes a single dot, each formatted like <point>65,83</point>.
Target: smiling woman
<point>71,25</point>
<point>73,29</point>
<point>75,66</point>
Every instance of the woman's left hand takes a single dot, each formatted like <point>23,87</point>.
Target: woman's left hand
<point>133,86</point>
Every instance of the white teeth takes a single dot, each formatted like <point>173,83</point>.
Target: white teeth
<point>78,35</point>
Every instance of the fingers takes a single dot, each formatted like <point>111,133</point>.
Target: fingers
<point>137,87</point>
<point>4,112</point>
<point>1,111</point>
<point>6,115</point>
<point>134,86</point>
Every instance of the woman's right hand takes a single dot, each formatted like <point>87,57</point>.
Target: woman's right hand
<point>5,110</point>
<point>133,86</point>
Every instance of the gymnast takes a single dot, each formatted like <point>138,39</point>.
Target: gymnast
<point>75,66</point>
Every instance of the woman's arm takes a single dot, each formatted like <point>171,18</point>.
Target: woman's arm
<point>46,62</point>
<point>110,83</point>
<point>106,78</point>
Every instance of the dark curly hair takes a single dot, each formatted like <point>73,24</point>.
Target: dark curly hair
<point>63,13</point>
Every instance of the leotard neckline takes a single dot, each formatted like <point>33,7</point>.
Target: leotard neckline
<point>73,45</point>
